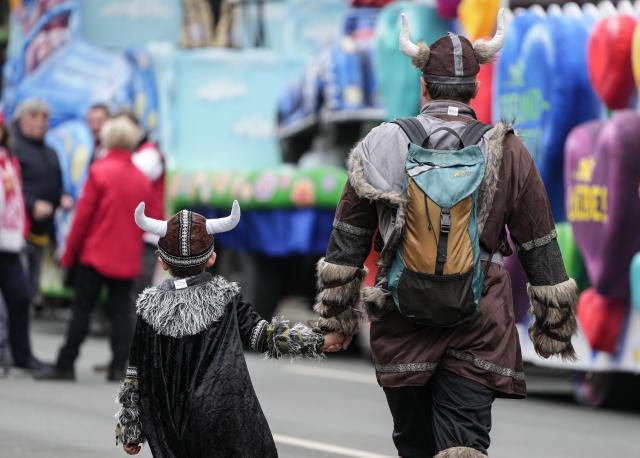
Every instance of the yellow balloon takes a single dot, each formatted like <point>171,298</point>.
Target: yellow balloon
<point>478,17</point>
<point>635,55</point>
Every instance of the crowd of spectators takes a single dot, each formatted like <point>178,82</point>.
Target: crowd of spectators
<point>103,249</point>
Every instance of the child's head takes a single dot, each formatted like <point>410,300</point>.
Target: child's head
<point>186,239</point>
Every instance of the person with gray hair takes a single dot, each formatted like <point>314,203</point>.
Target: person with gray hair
<point>42,182</point>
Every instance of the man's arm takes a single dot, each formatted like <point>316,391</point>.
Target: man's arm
<point>552,293</point>
<point>340,272</point>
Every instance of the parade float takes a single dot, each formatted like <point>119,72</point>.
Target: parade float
<point>271,121</point>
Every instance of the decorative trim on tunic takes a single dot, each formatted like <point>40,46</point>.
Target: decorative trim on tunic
<point>485,365</point>
<point>129,427</point>
<point>542,241</point>
<point>405,367</point>
<point>353,230</point>
<point>257,334</point>
<point>187,311</point>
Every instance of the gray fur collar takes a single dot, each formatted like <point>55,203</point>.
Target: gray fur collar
<point>187,311</point>
<point>487,190</point>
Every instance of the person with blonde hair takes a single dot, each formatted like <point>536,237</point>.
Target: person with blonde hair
<point>107,246</point>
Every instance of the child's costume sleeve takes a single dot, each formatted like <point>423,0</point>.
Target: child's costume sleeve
<point>277,338</point>
<point>129,427</point>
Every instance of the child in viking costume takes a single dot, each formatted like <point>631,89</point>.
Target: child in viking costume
<point>187,391</point>
<point>443,333</point>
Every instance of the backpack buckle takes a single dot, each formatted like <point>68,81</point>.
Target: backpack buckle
<point>445,221</point>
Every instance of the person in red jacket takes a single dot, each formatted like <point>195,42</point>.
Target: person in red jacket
<point>107,245</point>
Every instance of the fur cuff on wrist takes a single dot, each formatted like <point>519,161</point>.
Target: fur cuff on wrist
<point>299,340</point>
<point>461,452</point>
<point>346,323</point>
<point>553,308</point>
<point>129,429</point>
<point>339,288</point>
<point>375,303</point>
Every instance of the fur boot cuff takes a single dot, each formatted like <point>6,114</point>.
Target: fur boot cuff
<point>376,302</point>
<point>460,452</point>
<point>339,288</point>
<point>553,308</point>
<point>346,323</point>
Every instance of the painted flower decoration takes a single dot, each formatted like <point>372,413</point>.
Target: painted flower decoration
<point>266,185</point>
<point>303,193</point>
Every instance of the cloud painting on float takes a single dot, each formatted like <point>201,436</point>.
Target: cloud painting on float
<point>223,110</point>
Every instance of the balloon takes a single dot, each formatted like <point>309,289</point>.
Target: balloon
<point>602,174</point>
<point>448,8</point>
<point>478,17</point>
<point>609,54</point>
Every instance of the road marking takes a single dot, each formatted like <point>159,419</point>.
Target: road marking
<point>335,374</point>
<point>322,447</point>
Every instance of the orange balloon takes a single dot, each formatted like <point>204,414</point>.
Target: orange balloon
<point>478,17</point>
<point>635,55</point>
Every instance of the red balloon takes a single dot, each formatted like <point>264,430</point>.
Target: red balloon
<point>601,320</point>
<point>482,103</point>
<point>609,54</point>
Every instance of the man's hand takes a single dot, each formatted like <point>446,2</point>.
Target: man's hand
<point>332,342</point>
<point>131,449</point>
<point>42,209</point>
<point>66,202</point>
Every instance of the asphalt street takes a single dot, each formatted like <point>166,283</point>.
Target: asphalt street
<point>328,409</point>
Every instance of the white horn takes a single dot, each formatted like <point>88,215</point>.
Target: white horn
<point>218,225</point>
<point>485,50</point>
<point>154,226</point>
<point>408,47</point>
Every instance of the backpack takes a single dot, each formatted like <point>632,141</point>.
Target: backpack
<point>436,277</point>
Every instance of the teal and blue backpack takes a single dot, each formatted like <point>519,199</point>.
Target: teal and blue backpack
<point>436,277</point>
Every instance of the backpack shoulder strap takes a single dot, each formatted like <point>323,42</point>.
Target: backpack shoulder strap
<point>413,128</point>
<point>474,132</point>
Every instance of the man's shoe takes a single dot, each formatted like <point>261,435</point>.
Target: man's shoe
<point>51,372</point>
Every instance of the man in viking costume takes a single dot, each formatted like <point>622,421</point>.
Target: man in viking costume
<point>187,391</point>
<point>440,382</point>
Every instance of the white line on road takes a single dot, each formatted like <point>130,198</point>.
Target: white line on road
<point>333,374</point>
<point>329,448</point>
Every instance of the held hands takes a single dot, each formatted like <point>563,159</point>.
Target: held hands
<point>334,341</point>
<point>131,449</point>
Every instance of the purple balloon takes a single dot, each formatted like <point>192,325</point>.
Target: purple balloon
<point>448,8</point>
<point>602,174</point>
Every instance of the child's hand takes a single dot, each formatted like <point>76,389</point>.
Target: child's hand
<point>333,342</point>
<point>131,449</point>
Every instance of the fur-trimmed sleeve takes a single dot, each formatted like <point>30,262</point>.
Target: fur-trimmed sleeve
<point>129,427</point>
<point>340,272</point>
<point>279,338</point>
<point>552,293</point>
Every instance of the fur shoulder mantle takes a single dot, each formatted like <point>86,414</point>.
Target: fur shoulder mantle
<point>363,167</point>
<point>187,311</point>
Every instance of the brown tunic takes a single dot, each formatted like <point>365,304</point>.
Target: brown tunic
<point>486,349</point>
